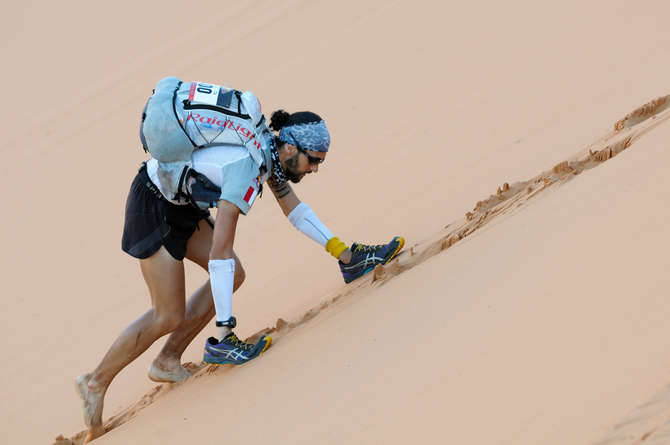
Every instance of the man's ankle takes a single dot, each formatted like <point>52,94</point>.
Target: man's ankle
<point>345,257</point>
<point>95,386</point>
<point>223,331</point>
<point>166,360</point>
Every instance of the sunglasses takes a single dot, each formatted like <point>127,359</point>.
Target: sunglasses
<point>312,159</point>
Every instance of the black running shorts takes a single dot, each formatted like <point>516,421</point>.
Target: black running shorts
<point>152,221</point>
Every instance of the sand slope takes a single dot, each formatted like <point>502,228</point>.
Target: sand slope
<point>492,361</point>
<point>436,104</point>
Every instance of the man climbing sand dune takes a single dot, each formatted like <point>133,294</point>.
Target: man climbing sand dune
<point>210,147</point>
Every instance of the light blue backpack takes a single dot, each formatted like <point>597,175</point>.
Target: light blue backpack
<point>181,117</point>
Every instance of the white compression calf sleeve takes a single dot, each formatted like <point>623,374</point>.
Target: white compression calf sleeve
<point>305,220</point>
<point>221,278</point>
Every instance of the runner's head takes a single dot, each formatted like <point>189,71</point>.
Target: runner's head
<point>303,142</point>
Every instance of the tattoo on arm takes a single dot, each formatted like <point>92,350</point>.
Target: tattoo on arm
<point>280,190</point>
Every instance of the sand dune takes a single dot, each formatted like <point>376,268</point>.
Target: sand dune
<point>647,424</point>
<point>537,315</point>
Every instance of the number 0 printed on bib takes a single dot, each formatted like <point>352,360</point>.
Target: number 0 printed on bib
<point>205,93</point>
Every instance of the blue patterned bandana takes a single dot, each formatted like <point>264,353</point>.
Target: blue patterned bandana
<point>313,136</point>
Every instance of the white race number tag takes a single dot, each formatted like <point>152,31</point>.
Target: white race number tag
<point>205,93</point>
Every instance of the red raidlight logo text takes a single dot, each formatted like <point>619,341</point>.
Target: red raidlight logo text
<point>210,122</point>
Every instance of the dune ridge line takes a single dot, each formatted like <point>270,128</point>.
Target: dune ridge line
<point>645,424</point>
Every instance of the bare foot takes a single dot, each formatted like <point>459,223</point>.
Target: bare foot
<point>174,373</point>
<point>93,402</point>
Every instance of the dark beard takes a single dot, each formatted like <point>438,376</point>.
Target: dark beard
<point>294,178</point>
<point>290,170</point>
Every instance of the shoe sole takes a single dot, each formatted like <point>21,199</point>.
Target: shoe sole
<point>232,362</point>
<point>401,244</point>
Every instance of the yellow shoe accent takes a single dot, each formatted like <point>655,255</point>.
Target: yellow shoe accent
<point>401,244</point>
<point>267,345</point>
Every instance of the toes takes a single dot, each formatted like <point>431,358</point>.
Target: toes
<point>94,433</point>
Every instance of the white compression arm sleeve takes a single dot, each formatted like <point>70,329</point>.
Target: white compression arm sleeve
<point>221,278</point>
<point>305,220</point>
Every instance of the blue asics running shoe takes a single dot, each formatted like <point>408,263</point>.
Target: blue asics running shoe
<point>364,258</point>
<point>233,350</point>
